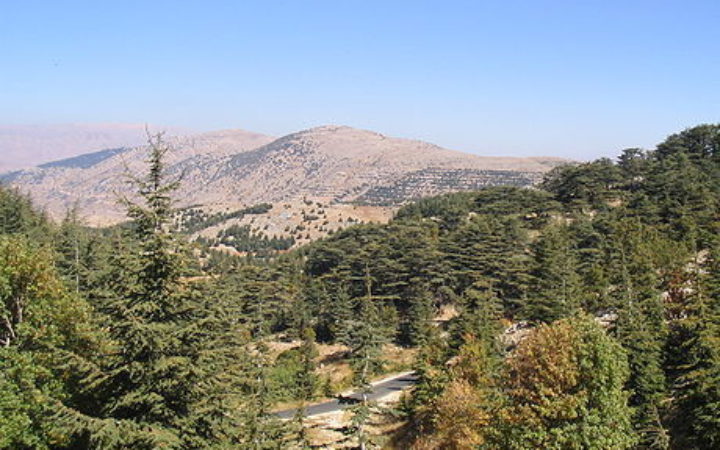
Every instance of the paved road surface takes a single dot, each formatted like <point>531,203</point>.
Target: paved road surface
<point>379,391</point>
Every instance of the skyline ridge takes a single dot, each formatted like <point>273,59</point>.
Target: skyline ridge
<point>140,138</point>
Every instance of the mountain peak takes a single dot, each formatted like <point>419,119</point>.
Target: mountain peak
<point>332,129</point>
<point>335,163</point>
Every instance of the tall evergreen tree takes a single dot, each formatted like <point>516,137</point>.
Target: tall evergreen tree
<point>365,336</point>
<point>698,388</point>
<point>432,379</point>
<point>169,383</point>
<point>555,286</point>
<point>306,383</point>
<point>341,314</point>
<point>261,429</point>
<point>480,314</point>
<point>641,327</point>
<point>18,216</point>
<point>82,253</point>
<point>419,326</point>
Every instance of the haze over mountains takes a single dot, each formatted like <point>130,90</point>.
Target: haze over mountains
<point>231,168</point>
<point>23,146</point>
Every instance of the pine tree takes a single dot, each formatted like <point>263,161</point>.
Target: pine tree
<point>307,383</point>
<point>590,236</point>
<point>682,182</point>
<point>641,328</point>
<point>365,337</point>
<point>81,253</point>
<point>647,381</point>
<point>261,429</point>
<point>419,327</point>
<point>555,288</point>
<point>18,216</point>
<point>169,383</point>
<point>432,379</point>
<point>480,314</point>
<point>699,386</point>
<point>341,314</point>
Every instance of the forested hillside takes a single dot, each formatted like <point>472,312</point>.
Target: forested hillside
<point>584,313</point>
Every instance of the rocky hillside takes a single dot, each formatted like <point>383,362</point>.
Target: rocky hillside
<point>94,181</point>
<point>229,169</point>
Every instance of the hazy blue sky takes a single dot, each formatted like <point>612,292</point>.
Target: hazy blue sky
<point>570,78</point>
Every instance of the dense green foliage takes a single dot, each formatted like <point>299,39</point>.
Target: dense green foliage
<point>633,241</point>
<point>125,338</point>
<point>44,330</point>
<point>173,350</point>
<point>243,239</point>
<point>123,348</point>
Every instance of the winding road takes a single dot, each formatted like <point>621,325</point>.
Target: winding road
<point>379,390</point>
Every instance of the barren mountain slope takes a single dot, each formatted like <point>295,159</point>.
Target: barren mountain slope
<point>231,168</point>
<point>95,189</point>
<point>341,163</point>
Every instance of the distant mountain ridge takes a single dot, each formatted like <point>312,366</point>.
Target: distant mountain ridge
<point>84,161</point>
<point>23,146</point>
<point>236,167</point>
